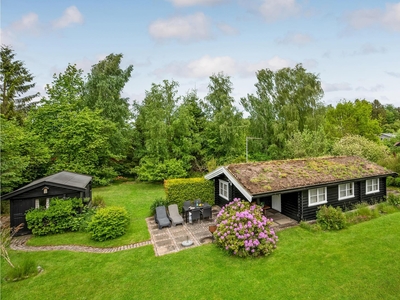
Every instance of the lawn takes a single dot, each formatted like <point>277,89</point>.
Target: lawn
<point>361,262</point>
<point>135,197</point>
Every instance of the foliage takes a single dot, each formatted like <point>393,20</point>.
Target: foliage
<point>6,234</point>
<point>159,202</point>
<point>98,201</point>
<point>389,206</point>
<point>23,158</point>
<point>393,199</point>
<point>244,231</point>
<point>287,101</point>
<point>307,144</point>
<point>22,271</point>
<point>181,190</point>
<point>155,170</point>
<point>362,212</point>
<point>352,118</point>
<point>108,223</point>
<point>15,81</point>
<point>58,218</point>
<point>354,145</point>
<point>330,218</point>
<point>392,163</point>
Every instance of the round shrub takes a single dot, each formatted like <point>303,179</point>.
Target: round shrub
<point>330,218</point>
<point>244,231</point>
<point>108,223</point>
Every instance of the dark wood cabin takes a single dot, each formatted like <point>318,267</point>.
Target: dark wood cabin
<point>38,193</point>
<point>297,187</point>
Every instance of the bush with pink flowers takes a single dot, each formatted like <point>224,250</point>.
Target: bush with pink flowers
<point>244,231</point>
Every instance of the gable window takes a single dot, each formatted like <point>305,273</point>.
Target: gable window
<point>317,196</point>
<point>372,185</point>
<point>223,189</point>
<point>346,190</point>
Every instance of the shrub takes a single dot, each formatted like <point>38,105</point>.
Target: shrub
<point>158,202</point>
<point>98,201</point>
<point>393,199</point>
<point>330,218</point>
<point>108,223</point>
<point>180,190</point>
<point>387,208</point>
<point>244,231</point>
<point>361,213</point>
<point>310,227</point>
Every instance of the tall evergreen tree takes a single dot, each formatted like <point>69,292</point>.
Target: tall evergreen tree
<point>15,81</point>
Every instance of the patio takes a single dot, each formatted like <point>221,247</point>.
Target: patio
<point>169,240</point>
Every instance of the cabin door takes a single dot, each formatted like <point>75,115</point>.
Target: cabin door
<point>18,209</point>
<point>276,202</point>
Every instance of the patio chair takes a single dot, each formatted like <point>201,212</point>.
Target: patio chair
<point>207,213</point>
<point>195,214</point>
<point>161,217</point>
<point>174,215</point>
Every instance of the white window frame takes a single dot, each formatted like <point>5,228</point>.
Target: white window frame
<point>224,187</point>
<point>319,193</point>
<point>347,188</point>
<point>370,183</point>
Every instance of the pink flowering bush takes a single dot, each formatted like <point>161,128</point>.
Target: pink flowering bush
<point>243,230</point>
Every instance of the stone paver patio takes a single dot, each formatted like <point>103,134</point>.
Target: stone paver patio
<point>169,240</point>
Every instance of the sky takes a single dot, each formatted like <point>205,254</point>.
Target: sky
<point>353,46</point>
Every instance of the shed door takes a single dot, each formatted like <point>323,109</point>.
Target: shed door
<point>276,202</point>
<point>18,209</point>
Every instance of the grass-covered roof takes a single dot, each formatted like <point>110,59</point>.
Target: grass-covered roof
<point>277,175</point>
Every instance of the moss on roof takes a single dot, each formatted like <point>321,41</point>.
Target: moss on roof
<point>278,175</point>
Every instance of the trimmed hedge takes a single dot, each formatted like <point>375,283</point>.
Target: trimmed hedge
<point>180,190</point>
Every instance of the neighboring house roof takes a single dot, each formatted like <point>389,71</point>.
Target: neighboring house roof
<point>65,179</point>
<point>270,177</point>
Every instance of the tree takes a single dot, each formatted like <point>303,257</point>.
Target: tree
<point>16,81</point>
<point>225,130</point>
<point>378,112</point>
<point>351,118</point>
<point>24,156</point>
<point>104,86</point>
<point>286,101</point>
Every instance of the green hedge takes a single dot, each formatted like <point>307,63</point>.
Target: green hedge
<point>180,190</point>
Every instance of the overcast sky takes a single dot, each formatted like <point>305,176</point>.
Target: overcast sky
<point>354,46</point>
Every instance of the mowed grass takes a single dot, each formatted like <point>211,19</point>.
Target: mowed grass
<point>134,196</point>
<point>361,262</point>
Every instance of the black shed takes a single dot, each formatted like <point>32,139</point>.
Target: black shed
<point>39,192</point>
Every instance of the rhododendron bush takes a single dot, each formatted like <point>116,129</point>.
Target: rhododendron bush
<point>243,230</point>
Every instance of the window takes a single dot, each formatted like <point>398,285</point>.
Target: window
<point>346,191</point>
<point>317,196</point>
<point>45,203</point>
<point>372,185</point>
<point>223,189</point>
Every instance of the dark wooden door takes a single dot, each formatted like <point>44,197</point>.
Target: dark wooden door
<point>18,209</point>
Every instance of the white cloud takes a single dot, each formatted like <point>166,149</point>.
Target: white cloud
<point>388,18</point>
<point>298,39</point>
<point>376,88</point>
<point>28,22</point>
<point>227,29</point>
<point>371,49</point>
<point>274,10</point>
<point>333,87</point>
<point>394,74</point>
<point>181,3</point>
<point>207,65</point>
<point>70,16</point>
<point>187,28</point>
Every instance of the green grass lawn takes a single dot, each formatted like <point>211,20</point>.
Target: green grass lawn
<point>361,262</point>
<point>135,197</point>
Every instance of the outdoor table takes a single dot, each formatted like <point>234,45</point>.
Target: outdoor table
<point>188,209</point>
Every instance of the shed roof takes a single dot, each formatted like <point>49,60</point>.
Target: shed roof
<point>66,179</point>
<point>269,177</point>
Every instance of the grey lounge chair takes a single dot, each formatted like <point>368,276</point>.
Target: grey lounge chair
<point>161,217</point>
<point>174,215</point>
